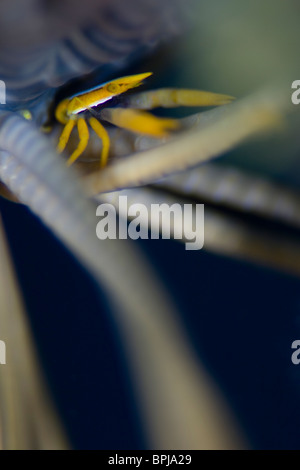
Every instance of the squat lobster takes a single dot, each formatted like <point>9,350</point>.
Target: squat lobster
<point>71,110</point>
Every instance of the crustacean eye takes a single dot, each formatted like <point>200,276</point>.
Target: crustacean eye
<point>114,88</point>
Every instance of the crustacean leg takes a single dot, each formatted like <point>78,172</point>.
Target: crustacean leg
<point>139,121</point>
<point>175,97</point>
<point>103,136</point>
<point>84,135</point>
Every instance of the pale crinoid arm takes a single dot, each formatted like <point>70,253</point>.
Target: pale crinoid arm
<point>28,419</point>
